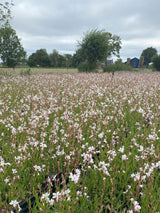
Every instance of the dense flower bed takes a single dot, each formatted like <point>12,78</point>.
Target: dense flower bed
<point>101,134</point>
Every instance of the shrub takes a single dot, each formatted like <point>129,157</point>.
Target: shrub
<point>156,62</point>
<point>84,67</point>
<point>117,67</point>
<point>26,72</point>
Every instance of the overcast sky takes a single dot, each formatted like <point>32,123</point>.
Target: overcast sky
<point>59,24</point>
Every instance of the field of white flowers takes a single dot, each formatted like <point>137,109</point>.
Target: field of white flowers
<point>80,143</point>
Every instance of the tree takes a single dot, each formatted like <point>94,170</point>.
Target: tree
<point>148,53</point>
<point>42,58</point>
<point>11,50</point>
<point>97,45</point>
<point>68,60</point>
<point>39,58</point>
<point>61,61</point>
<point>54,58</point>
<point>5,12</point>
<point>156,62</point>
<point>32,60</point>
<point>77,58</point>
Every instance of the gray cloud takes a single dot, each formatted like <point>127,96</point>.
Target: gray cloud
<point>58,24</point>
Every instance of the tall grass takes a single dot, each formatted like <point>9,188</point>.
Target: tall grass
<point>119,66</point>
<point>102,135</point>
<point>35,71</point>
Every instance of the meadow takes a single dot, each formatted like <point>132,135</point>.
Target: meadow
<point>80,142</point>
<point>10,72</point>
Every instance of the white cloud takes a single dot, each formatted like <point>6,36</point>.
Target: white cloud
<point>59,24</point>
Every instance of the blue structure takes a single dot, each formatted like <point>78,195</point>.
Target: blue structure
<point>134,62</point>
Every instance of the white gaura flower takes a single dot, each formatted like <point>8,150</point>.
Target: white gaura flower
<point>56,196</point>
<point>101,135</point>
<point>37,168</point>
<point>75,177</point>
<point>121,149</point>
<point>140,110</point>
<point>45,197</point>
<point>124,157</point>
<point>136,177</point>
<point>6,180</point>
<point>137,207</point>
<point>140,149</point>
<point>14,203</point>
<point>14,171</point>
<point>66,192</point>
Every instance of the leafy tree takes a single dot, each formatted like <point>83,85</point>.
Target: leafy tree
<point>11,50</point>
<point>58,60</point>
<point>39,58</point>
<point>97,45</point>
<point>5,12</point>
<point>77,58</point>
<point>61,61</point>
<point>68,60</point>
<point>54,58</point>
<point>156,62</point>
<point>42,58</point>
<point>148,53</point>
<point>32,60</point>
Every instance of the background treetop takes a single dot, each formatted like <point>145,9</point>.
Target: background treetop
<point>97,45</point>
<point>5,12</point>
<point>11,50</point>
<point>148,53</point>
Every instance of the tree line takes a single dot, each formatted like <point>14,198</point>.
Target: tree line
<point>95,47</point>
<point>42,59</point>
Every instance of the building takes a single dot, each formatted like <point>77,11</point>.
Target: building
<point>135,63</point>
<point>109,62</point>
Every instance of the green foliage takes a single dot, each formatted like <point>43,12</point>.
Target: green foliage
<point>61,61</point>
<point>11,51</point>
<point>68,58</point>
<point>39,58</point>
<point>5,12</point>
<point>26,72</point>
<point>151,67</point>
<point>148,54</point>
<point>54,58</point>
<point>42,58</point>
<point>77,58</point>
<point>84,67</point>
<point>117,66</point>
<point>156,62</point>
<point>96,46</point>
<point>32,60</point>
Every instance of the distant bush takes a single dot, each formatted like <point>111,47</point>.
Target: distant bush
<point>26,72</point>
<point>86,68</point>
<point>156,62</point>
<point>117,67</point>
<point>151,67</point>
